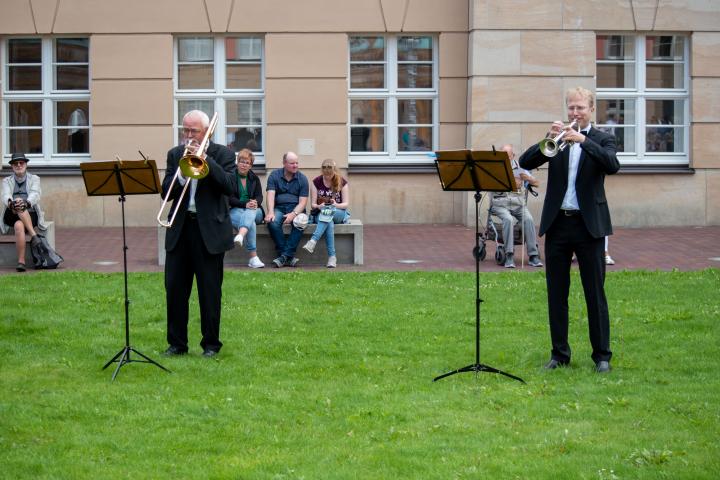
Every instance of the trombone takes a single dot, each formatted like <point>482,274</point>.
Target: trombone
<point>191,166</point>
<point>551,146</point>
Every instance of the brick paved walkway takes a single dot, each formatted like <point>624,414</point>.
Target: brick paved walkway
<point>405,248</point>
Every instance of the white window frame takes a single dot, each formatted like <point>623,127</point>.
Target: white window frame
<point>48,96</point>
<point>640,94</point>
<point>219,94</point>
<point>391,94</point>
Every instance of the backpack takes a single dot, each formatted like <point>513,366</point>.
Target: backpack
<point>43,254</point>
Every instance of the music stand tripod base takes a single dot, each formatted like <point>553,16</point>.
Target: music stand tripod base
<point>477,368</point>
<point>123,357</point>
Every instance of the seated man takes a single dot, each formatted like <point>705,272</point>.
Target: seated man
<point>20,207</point>
<point>507,205</point>
<point>287,195</point>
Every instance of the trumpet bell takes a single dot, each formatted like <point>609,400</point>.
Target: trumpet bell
<point>193,166</point>
<point>548,147</point>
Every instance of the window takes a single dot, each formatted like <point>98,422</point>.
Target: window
<point>46,99</point>
<point>643,97</point>
<point>223,75</point>
<point>393,95</point>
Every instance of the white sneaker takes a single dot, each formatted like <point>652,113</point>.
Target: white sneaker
<point>609,260</point>
<point>310,246</point>
<point>255,263</point>
<point>239,239</point>
<point>332,262</point>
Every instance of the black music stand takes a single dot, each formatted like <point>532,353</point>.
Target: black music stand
<point>464,170</point>
<point>135,177</point>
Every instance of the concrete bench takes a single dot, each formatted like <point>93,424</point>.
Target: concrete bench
<point>8,253</point>
<point>348,246</point>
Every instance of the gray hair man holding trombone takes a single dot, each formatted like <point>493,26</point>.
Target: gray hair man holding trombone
<point>199,231</point>
<point>576,219</point>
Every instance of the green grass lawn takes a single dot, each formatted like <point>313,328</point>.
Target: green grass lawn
<point>329,375</point>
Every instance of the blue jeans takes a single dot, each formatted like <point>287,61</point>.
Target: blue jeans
<point>248,218</point>
<point>328,228</point>
<point>284,247</point>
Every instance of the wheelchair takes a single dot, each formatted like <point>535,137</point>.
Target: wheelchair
<point>493,232</point>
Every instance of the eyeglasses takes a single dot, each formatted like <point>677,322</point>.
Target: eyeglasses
<point>578,108</point>
<point>192,131</point>
<point>327,167</point>
<point>244,162</point>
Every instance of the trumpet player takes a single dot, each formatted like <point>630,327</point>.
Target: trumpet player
<point>199,236</point>
<point>576,219</point>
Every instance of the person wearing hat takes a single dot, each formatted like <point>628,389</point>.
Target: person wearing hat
<point>20,208</point>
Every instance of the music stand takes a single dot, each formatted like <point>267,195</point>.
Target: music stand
<point>135,177</point>
<point>465,170</point>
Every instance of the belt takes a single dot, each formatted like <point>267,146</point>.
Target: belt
<point>192,215</point>
<point>571,213</point>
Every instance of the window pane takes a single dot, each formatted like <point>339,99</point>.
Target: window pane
<point>370,112</point>
<point>25,78</point>
<point>243,49</point>
<point>26,140</point>
<point>665,47</point>
<point>244,112</point>
<point>615,112</point>
<point>367,49</point>
<point>665,76</point>
<point>664,112</point>
<point>414,139</point>
<point>414,76</point>
<point>195,76</point>
<point>184,106</point>
<point>615,47</point>
<point>243,76</point>
<point>664,140</point>
<point>195,50</point>
<point>71,50</point>
<point>414,111</point>
<point>73,77</point>
<point>616,75</point>
<point>415,48</point>
<point>367,76</point>
<point>367,139</point>
<point>245,137</point>
<point>25,114</point>
<point>24,50</point>
<point>75,140</point>
<point>625,139</point>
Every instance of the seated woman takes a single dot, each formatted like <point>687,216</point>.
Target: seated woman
<point>246,210</point>
<point>329,200</point>
<point>20,207</point>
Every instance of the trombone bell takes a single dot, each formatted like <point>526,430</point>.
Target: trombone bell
<point>193,166</point>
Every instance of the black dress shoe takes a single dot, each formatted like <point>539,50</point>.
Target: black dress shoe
<point>20,267</point>
<point>553,364</point>
<point>602,367</point>
<point>173,350</point>
<point>209,353</point>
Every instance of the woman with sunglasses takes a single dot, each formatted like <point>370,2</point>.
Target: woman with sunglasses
<point>329,199</point>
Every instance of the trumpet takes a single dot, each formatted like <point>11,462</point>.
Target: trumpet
<point>192,165</point>
<point>551,146</point>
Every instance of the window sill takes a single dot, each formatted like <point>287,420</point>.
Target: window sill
<point>655,169</point>
<point>393,168</point>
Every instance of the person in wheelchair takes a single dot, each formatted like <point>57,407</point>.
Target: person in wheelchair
<point>511,205</point>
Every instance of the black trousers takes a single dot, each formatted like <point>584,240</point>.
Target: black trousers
<point>190,259</point>
<point>566,236</point>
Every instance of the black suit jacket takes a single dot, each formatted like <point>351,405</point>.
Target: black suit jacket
<point>597,159</point>
<point>211,199</point>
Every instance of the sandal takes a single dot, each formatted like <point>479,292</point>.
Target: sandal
<point>20,267</point>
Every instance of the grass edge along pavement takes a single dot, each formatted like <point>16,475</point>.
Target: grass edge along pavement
<point>330,376</point>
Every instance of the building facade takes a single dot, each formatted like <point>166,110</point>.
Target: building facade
<point>376,85</point>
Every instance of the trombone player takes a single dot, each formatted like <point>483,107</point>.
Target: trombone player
<point>576,219</point>
<point>199,232</point>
